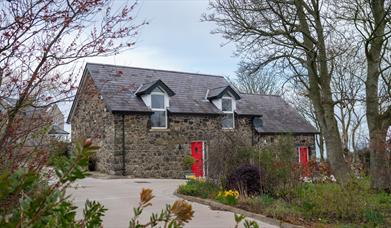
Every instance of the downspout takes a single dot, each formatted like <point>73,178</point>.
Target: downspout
<point>123,146</point>
<point>252,132</point>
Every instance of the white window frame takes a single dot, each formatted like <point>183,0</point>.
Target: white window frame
<point>229,112</point>
<point>164,109</point>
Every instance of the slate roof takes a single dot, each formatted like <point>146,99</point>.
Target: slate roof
<point>277,115</point>
<point>118,92</point>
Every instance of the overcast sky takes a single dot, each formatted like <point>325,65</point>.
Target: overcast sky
<point>175,39</point>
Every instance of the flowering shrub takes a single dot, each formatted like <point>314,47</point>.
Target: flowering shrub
<point>194,178</point>
<point>229,197</point>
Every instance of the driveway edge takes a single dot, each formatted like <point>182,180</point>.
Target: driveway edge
<point>222,207</point>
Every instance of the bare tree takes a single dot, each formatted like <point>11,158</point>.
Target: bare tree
<point>260,82</point>
<point>372,21</point>
<point>349,95</point>
<point>39,39</point>
<point>295,36</point>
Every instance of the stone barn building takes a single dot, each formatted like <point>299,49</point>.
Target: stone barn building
<point>146,121</point>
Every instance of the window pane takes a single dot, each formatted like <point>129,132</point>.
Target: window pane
<point>157,101</point>
<point>158,119</point>
<point>228,121</point>
<point>226,105</point>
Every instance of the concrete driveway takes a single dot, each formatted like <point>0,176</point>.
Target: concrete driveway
<point>119,196</point>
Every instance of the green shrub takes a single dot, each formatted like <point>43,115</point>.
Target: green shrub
<point>374,218</point>
<point>188,162</point>
<point>352,202</point>
<point>203,189</point>
<point>280,209</point>
<point>30,198</point>
<point>279,169</point>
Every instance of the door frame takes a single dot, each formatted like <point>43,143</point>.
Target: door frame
<point>203,155</point>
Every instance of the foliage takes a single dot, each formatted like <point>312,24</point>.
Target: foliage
<point>203,189</point>
<point>229,197</point>
<point>246,179</point>
<point>175,215</point>
<point>326,203</point>
<point>237,146</point>
<point>351,202</point>
<point>280,171</point>
<point>29,198</point>
<point>188,161</point>
<point>246,223</point>
<point>57,149</point>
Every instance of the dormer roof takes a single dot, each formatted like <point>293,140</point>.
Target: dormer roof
<point>147,88</point>
<point>219,92</point>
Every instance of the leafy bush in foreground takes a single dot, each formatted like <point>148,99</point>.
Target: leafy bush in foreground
<point>176,215</point>
<point>41,199</point>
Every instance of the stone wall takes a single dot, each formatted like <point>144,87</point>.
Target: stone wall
<point>160,153</point>
<point>91,120</point>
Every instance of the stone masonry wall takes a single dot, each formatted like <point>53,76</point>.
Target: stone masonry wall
<point>160,153</point>
<point>91,120</point>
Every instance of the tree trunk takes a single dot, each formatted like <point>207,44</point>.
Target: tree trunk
<point>379,161</point>
<point>377,122</point>
<point>320,91</point>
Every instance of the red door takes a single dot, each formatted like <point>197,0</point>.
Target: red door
<point>197,153</point>
<point>303,155</point>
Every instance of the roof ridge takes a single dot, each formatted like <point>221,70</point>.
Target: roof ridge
<point>265,95</point>
<point>153,69</point>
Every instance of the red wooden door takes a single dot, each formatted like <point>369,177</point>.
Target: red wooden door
<point>303,155</point>
<point>197,153</point>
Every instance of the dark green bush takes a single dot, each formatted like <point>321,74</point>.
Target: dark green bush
<point>245,179</point>
<point>203,189</point>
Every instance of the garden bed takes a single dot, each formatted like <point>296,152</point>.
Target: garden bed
<point>308,204</point>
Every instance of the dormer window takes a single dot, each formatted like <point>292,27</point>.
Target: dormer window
<point>156,95</point>
<point>224,98</point>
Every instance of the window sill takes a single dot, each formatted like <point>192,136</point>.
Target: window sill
<point>159,129</point>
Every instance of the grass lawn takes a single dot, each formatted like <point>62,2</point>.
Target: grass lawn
<point>316,205</point>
